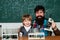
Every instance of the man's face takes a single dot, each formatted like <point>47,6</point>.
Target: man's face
<point>39,14</point>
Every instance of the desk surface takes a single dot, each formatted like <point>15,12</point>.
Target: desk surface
<point>46,38</point>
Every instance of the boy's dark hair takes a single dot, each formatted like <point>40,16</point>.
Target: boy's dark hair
<point>39,7</point>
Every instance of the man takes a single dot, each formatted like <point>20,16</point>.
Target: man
<point>41,22</point>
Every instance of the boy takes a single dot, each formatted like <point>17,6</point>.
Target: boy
<point>26,28</point>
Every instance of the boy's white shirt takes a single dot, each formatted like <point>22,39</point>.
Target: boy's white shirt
<point>27,28</point>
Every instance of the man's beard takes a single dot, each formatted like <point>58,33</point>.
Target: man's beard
<point>40,20</point>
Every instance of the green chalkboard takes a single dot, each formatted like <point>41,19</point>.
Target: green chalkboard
<point>12,10</point>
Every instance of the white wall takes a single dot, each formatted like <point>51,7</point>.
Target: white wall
<point>0,32</point>
<point>10,26</point>
<point>17,25</point>
<point>58,25</point>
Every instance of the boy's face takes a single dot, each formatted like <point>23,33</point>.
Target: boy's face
<point>27,23</point>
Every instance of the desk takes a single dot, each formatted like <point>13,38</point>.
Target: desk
<point>46,38</point>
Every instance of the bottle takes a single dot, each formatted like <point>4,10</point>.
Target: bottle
<point>20,35</point>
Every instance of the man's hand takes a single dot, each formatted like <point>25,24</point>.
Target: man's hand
<point>54,26</point>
